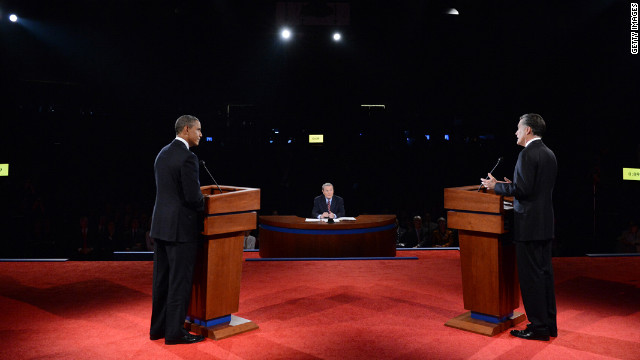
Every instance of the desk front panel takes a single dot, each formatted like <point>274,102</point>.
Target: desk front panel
<point>290,236</point>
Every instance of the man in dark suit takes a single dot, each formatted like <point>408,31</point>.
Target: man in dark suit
<point>174,228</point>
<point>416,236</point>
<point>533,181</point>
<point>327,205</point>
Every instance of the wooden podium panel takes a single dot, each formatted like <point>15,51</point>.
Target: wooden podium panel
<point>468,198</point>
<point>487,257</point>
<point>480,287</point>
<point>486,223</point>
<point>216,290</point>
<point>216,283</point>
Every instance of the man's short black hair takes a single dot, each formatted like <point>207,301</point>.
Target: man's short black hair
<point>185,120</point>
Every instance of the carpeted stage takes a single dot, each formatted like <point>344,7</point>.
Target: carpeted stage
<point>378,309</point>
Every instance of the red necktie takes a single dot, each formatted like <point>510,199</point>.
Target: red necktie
<point>329,205</point>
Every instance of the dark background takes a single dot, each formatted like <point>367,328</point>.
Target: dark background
<point>91,89</point>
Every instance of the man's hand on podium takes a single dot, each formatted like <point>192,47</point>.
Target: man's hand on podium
<point>328,215</point>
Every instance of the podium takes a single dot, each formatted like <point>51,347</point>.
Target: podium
<point>490,287</point>
<point>215,295</point>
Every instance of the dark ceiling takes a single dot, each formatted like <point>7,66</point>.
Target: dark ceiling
<point>496,58</point>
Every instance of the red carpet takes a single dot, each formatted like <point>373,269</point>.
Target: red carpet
<point>313,310</point>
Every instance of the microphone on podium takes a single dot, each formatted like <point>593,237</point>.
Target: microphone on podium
<point>211,176</point>
<point>498,163</point>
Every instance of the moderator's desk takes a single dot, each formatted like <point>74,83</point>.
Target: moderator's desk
<point>291,237</point>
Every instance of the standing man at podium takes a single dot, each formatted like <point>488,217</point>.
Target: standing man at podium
<point>174,228</point>
<point>533,181</point>
<point>327,205</point>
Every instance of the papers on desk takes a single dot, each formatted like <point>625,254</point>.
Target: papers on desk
<point>508,205</point>
<point>334,220</point>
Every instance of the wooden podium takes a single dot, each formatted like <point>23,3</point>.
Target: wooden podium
<point>216,282</point>
<point>489,277</point>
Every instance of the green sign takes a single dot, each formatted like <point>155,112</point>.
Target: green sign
<point>630,174</point>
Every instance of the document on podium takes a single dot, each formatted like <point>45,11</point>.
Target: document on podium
<point>326,220</point>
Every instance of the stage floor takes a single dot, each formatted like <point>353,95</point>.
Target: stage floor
<point>362,309</point>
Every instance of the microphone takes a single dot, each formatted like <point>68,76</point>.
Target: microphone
<point>211,176</point>
<point>498,163</point>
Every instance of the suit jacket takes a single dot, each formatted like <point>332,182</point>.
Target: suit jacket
<point>533,180</point>
<point>412,238</point>
<point>320,206</point>
<point>178,195</point>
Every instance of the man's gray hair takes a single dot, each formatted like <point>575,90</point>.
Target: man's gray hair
<point>326,184</point>
<point>535,122</point>
<point>185,120</point>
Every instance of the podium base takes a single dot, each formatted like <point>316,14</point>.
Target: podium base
<point>236,326</point>
<point>465,322</point>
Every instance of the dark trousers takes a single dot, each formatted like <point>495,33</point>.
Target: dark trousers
<point>173,264</point>
<point>535,272</point>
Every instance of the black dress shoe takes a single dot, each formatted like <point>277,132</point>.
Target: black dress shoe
<point>551,333</point>
<point>528,334</point>
<point>156,336</point>
<point>186,339</point>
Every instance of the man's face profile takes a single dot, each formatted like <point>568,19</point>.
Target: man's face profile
<point>328,191</point>
<point>193,134</point>
<point>521,133</point>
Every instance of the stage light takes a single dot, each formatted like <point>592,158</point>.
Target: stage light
<point>209,138</point>
<point>285,34</point>
<point>337,36</point>
<point>452,11</point>
<point>13,17</point>
<point>446,137</point>
<point>428,137</point>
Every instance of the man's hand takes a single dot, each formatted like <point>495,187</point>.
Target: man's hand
<point>490,182</point>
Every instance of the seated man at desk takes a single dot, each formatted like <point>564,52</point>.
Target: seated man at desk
<point>327,205</point>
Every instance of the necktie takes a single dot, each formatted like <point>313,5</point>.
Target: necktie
<point>329,205</point>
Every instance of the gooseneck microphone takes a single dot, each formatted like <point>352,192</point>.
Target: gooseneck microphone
<point>211,176</point>
<point>498,163</point>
